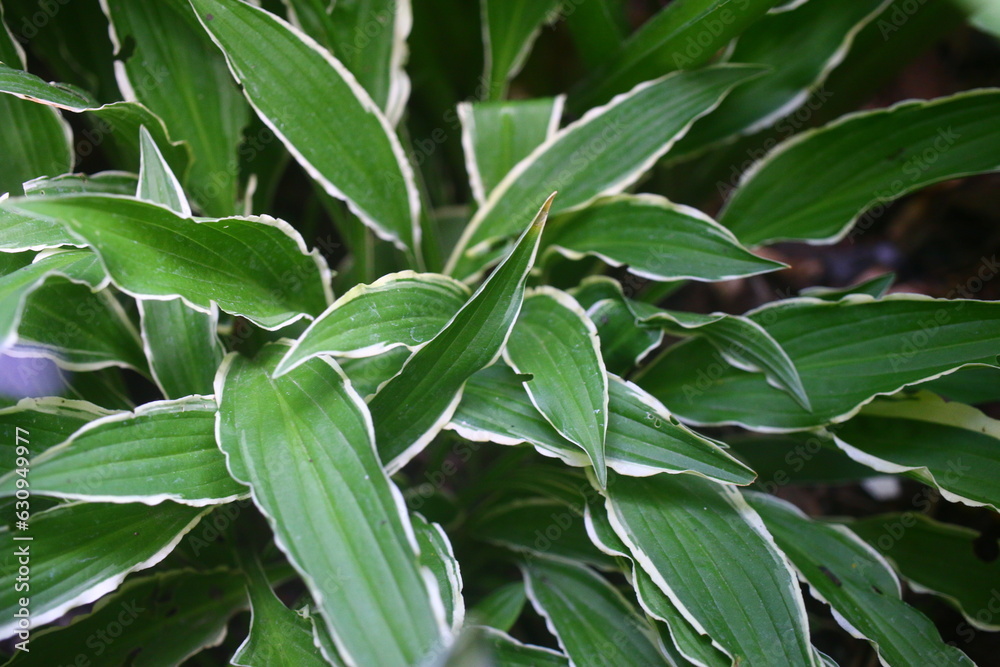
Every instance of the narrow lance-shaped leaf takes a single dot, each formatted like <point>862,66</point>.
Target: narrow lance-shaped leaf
<point>624,343</point>
<point>846,353</point>
<point>83,551</point>
<point>683,35</point>
<point>709,552</point>
<point>75,265</point>
<point>498,135</point>
<point>950,446</point>
<point>277,635</point>
<point>181,344</point>
<point>874,287</point>
<point>916,545</point>
<point>165,450</point>
<point>355,547</point>
<point>106,182</point>
<point>831,175</point>
<point>255,267</point>
<point>681,635</point>
<point>501,608</point>
<point>502,649</point>
<point>415,404</point>
<point>555,343</point>
<point>400,309</point>
<point>369,37</point>
<point>34,141</point>
<point>593,622</point>
<point>601,154</point>
<point>858,584</point>
<point>656,239</point>
<point>642,439</point>
<point>321,113</point>
<point>119,120</point>
<point>797,74</point>
<point>165,618</point>
<point>510,27</point>
<point>438,556</point>
<point>48,422</point>
<point>188,86</point>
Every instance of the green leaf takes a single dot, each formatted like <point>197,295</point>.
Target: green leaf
<point>502,649</point>
<point>278,635</point>
<point>598,28</point>
<point>17,286</point>
<point>950,446</point>
<point>859,586</point>
<point>656,239</point>
<point>826,28</point>
<point>321,113</point>
<point>82,551</point>
<point>681,635</point>
<point>256,267</point>
<point>846,353</point>
<point>369,373</point>
<point>501,608</point>
<point>188,86</point>
<point>593,622</point>
<point>971,384</point>
<point>510,27</point>
<point>103,182</point>
<point>437,555</point>
<point>917,545</point>
<point>415,404</point>
<point>162,619</point>
<point>498,135</point>
<point>401,309</point>
<point>538,527</point>
<point>642,438</point>
<point>623,342</point>
<point>34,141</point>
<point>119,120</point>
<point>874,287</point>
<point>889,153</point>
<point>354,546</point>
<point>181,344</point>
<point>41,423</point>
<point>165,450</point>
<point>741,341</point>
<point>78,328</point>
<point>369,37</point>
<point>555,343</point>
<point>683,35</point>
<point>708,551</point>
<point>601,154</point>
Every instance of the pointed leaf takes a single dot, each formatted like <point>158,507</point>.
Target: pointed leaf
<point>656,239</point>
<point>891,152</point>
<point>165,450</point>
<point>592,621</point>
<point>321,113</point>
<point>501,608</point>
<point>400,309</point>
<point>510,27</point>
<point>498,135</point>
<point>709,552</point>
<point>950,446</point>
<point>354,546</point>
<point>415,404</point>
<point>555,343</point>
<point>859,586</point>
<point>917,545</point>
<point>437,555</point>
<point>165,619</point>
<point>846,353</point>
<point>82,551</point>
<point>188,86</point>
<point>255,267</point>
<point>601,154</point>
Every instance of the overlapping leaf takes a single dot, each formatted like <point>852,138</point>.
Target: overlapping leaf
<point>415,404</point>
<point>804,189</point>
<point>846,352</point>
<point>321,113</point>
<point>165,450</point>
<point>509,29</point>
<point>354,546</point>
<point>255,267</point>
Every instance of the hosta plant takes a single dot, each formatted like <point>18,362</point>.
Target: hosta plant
<point>348,333</point>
